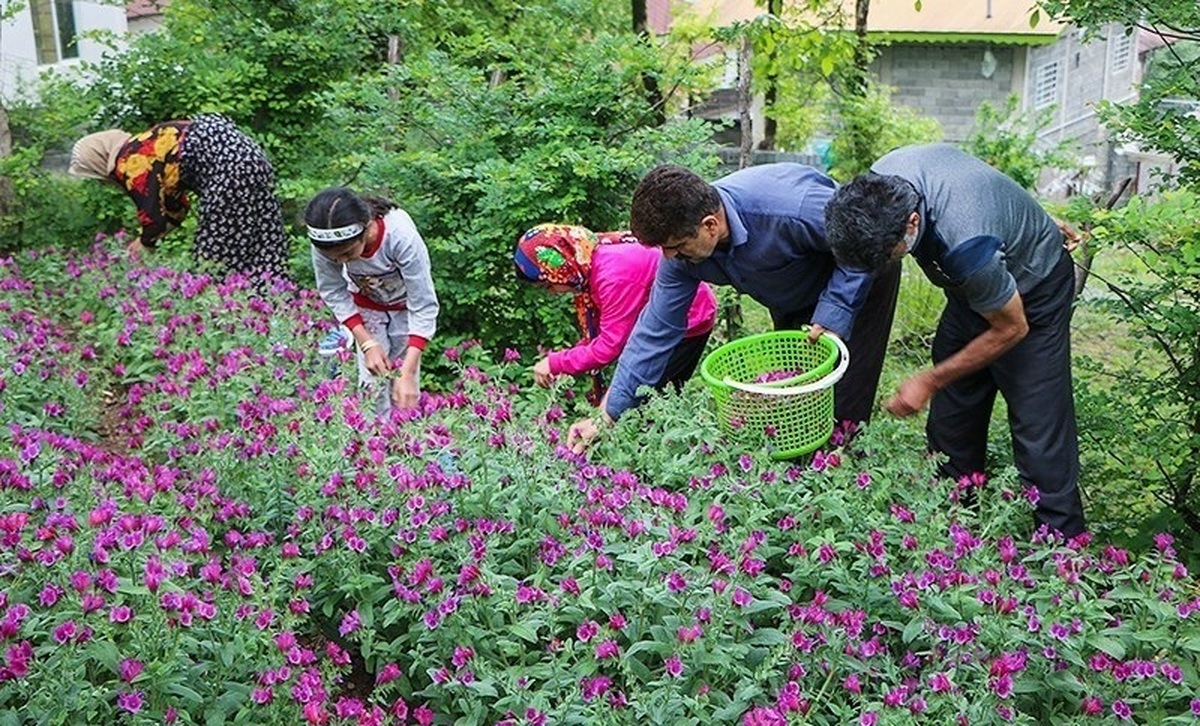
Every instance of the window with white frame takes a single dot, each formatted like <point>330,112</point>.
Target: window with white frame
<point>1122,50</point>
<point>1045,85</point>
<point>54,30</point>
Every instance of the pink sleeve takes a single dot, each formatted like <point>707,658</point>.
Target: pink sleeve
<point>703,313</point>
<point>620,303</point>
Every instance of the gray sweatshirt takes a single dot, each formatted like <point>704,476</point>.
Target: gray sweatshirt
<point>396,276</point>
<point>982,237</point>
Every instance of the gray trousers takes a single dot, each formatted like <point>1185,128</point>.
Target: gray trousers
<point>1035,379</point>
<point>390,328</point>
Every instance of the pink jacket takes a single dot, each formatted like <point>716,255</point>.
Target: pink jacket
<point>622,275</point>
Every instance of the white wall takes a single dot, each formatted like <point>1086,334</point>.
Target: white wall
<point>18,53</point>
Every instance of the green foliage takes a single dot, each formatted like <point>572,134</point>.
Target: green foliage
<point>10,8</point>
<point>869,126</point>
<point>487,121</point>
<point>262,63</point>
<point>563,137</point>
<point>50,208</point>
<point>1007,139</point>
<point>797,53</point>
<point>1143,411</point>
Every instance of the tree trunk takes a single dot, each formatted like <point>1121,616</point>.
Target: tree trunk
<point>731,311</point>
<point>394,50</point>
<point>743,101</point>
<point>859,145</point>
<point>862,49</point>
<point>7,196</point>
<point>649,82</point>
<point>771,92</point>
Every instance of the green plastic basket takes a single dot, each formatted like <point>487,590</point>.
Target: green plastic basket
<point>777,389</point>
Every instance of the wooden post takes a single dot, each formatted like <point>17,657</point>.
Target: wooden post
<point>393,59</point>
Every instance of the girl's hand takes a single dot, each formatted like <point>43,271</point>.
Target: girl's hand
<point>405,392</point>
<point>377,361</point>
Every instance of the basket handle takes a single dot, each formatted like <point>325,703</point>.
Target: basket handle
<point>822,383</point>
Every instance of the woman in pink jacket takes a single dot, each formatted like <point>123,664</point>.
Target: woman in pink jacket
<point>610,275</point>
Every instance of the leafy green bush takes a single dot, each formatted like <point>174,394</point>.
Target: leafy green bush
<point>868,126</point>
<point>480,162</point>
<point>1142,412</point>
<point>1008,139</point>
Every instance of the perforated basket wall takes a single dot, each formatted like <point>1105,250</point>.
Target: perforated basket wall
<point>789,425</point>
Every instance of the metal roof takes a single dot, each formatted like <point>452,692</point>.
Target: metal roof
<point>940,21</point>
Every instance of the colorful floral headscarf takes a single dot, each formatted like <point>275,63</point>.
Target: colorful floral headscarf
<point>561,254</point>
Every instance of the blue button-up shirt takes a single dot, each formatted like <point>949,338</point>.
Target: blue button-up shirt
<point>776,254</point>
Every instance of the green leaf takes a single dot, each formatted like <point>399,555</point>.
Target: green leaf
<point>106,654</point>
<point>1154,635</point>
<point>648,646</point>
<point>732,711</point>
<point>524,631</point>
<point>759,606</point>
<point>483,688</point>
<point>187,694</point>
<point>914,629</point>
<point>234,696</point>
<point>1035,18</point>
<point>1125,592</point>
<point>1112,647</point>
<point>1064,681</point>
<point>639,669</point>
<point>768,637</point>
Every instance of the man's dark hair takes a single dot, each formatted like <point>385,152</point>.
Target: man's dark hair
<point>866,218</point>
<point>669,203</point>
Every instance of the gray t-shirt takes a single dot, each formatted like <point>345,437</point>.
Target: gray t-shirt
<point>982,237</point>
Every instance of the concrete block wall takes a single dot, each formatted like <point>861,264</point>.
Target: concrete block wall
<point>947,82</point>
<point>1087,74</point>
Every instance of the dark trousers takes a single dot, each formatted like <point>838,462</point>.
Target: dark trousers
<point>683,361</point>
<point>1035,379</point>
<point>854,395</point>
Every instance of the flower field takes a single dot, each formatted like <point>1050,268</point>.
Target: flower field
<point>198,524</point>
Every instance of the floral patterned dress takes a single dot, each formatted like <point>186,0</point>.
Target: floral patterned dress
<point>241,223</point>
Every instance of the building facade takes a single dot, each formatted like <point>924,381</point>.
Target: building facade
<point>36,35</point>
<point>950,56</point>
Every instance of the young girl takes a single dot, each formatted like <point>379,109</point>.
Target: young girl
<point>610,275</point>
<point>373,272</point>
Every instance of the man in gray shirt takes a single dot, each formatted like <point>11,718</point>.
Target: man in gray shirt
<point>1009,288</point>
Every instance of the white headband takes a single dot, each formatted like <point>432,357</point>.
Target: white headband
<point>335,235</point>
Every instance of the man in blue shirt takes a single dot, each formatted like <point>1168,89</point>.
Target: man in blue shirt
<point>762,231</point>
<point>1009,287</point>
